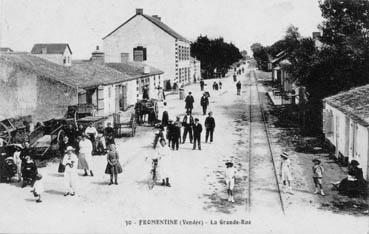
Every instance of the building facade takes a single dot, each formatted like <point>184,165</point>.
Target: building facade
<point>147,39</point>
<point>57,53</point>
<point>346,126</point>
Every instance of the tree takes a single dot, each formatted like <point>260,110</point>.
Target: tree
<point>215,55</point>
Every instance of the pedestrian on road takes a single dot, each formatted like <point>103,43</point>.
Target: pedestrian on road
<point>109,136</point>
<point>70,161</point>
<point>161,95</point>
<point>176,136</point>
<point>215,85</point>
<point>162,153</point>
<point>189,102</point>
<point>204,103</point>
<point>202,84</point>
<point>230,176</point>
<point>145,92</point>
<point>29,171</point>
<point>85,155</point>
<point>209,126</point>
<point>170,132</point>
<point>285,173</point>
<point>220,84</point>
<point>18,161</point>
<point>187,123</point>
<point>234,77</point>
<point>238,86</point>
<point>113,167</point>
<point>318,171</point>
<point>197,129</point>
<point>38,188</point>
<point>165,116</point>
<point>62,148</point>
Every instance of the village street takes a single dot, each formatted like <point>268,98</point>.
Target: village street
<point>197,193</point>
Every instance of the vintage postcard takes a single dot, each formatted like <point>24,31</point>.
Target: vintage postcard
<point>174,116</point>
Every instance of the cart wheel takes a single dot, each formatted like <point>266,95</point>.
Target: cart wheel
<point>60,136</point>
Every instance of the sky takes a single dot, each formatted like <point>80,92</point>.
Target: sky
<point>83,23</point>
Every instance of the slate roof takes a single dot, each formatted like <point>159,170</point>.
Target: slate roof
<point>134,69</point>
<point>51,48</point>
<point>354,103</point>
<point>158,23</point>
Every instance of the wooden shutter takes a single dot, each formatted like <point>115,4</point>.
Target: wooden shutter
<point>100,99</point>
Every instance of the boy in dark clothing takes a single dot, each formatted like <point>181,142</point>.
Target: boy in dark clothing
<point>204,103</point>
<point>187,125</point>
<point>209,126</point>
<point>176,135</point>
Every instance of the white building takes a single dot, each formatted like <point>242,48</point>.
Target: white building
<point>59,53</point>
<point>195,70</point>
<point>147,39</point>
<point>346,125</point>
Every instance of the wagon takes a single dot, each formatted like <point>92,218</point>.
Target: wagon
<point>147,107</point>
<point>125,123</point>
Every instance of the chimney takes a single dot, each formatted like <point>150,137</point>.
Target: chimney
<point>98,56</point>
<point>124,57</point>
<point>139,11</point>
<point>157,17</point>
<point>146,69</point>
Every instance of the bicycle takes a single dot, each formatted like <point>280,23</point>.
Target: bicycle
<point>153,174</point>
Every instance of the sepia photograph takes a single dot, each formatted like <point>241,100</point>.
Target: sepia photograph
<point>184,116</point>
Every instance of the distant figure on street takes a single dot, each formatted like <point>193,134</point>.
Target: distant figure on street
<point>234,77</point>
<point>238,86</point>
<point>70,161</point>
<point>165,116</point>
<point>220,84</point>
<point>230,175</point>
<point>209,126</point>
<point>109,135</point>
<point>85,155</point>
<point>204,103</point>
<point>318,171</point>
<point>113,167</point>
<point>285,173</point>
<point>189,102</point>
<point>197,129</point>
<point>170,131</point>
<point>145,92</point>
<point>176,137</point>
<point>161,95</point>
<point>202,84</point>
<point>215,85</point>
<point>187,123</point>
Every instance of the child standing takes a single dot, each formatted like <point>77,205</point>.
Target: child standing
<point>285,172</point>
<point>230,174</point>
<point>113,167</point>
<point>38,188</point>
<point>318,171</point>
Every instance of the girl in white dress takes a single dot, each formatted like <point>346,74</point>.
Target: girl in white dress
<point>285,172</point>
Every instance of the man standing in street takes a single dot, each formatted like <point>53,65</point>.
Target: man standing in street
<point>197,129</point>
<point>189,102</point>
<point>165,116</point>
<point>187,125</point>
<point>176,136</point>
<point>238,85</point>
<point>204,103</point>
<point>209,126</point>
<point>202,84</point>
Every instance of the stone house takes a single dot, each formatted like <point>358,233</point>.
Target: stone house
<point>57,53</point>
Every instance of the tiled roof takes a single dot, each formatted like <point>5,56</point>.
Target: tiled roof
<point>53,48</point>
<point>354,103</point>
<point>39,66</point>
<point>134,69</point>
<point>158,23</point>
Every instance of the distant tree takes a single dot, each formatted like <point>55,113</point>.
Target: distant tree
<point>216,55</point>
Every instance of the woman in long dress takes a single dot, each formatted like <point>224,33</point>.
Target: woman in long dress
<point>162,153</point>
<point>85,155</point>
<point>113,168</point>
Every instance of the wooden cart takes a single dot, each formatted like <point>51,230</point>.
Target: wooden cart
<point>125,123</point>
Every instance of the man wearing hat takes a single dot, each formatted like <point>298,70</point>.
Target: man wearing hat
<point>187,123</point>
<point>285,172</point>
<point>318,171</point>
<point>230,174</point>
<point>197,129</point>
<point>70,161</point>
<point>204,103</point>
<point>189,102</point>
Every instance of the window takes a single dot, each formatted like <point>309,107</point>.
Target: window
<point>64,60</point>
<point>139,54</point>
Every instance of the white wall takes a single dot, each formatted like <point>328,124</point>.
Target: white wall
<point>141,32</point>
